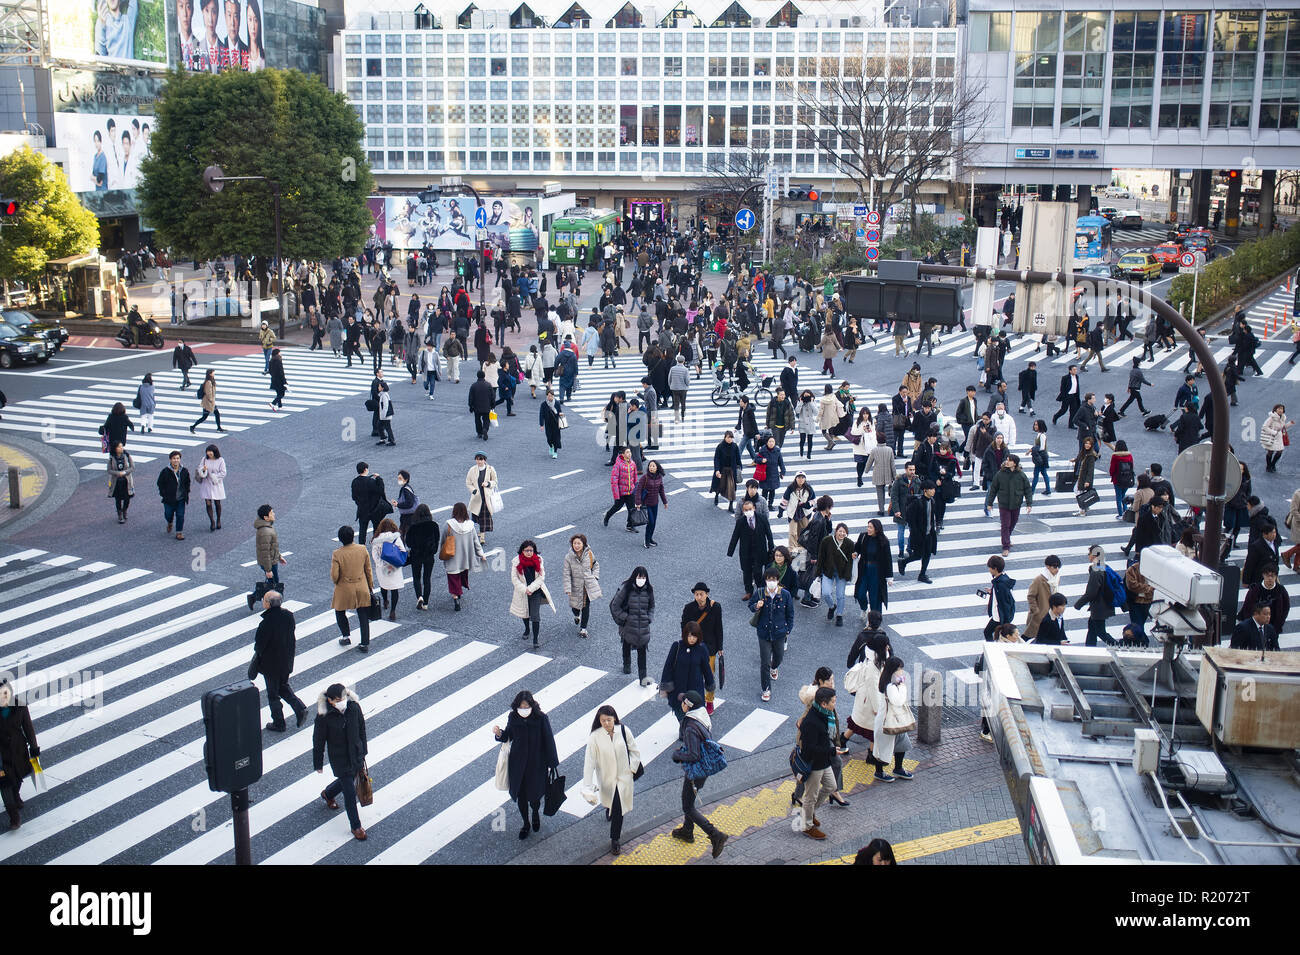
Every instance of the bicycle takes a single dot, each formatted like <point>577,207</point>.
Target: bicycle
<point>759,391</point>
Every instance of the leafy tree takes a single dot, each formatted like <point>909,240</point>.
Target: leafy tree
<point>51,222</point>
<point>281,124</point>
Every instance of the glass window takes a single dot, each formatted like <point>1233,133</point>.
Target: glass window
<point>393,43</point>
<point>456,66</point>
<point>672,125</point>
<point>478,89</point>
<point>374,43</point>
<point>393,66</point>
<point>692,129</point>
<point>354,91</point>
<point>627,66</point>
<point>717,126</point>
<point>672,90</point>
<point>542,89</point>
<point>717,89</point>
<point>374,66</point>
<point>606,66</point>
<point>435,137</point>
<point>352,67</point>
<point>433,66</point>
<point>649,91</point>
<point>1036,38</point>
<point>352,43</point>
<point>497,42</point>
<point>541,42</point>
<point>762,42</point>
<point>649,66</point>
<point>541,66</point>
<point>393,90</point>
<point>627,126</point>
<point>989,32</point>
<point>1183,69</point>
<point>585,66</point>
<point>586,43</point>
<point>605,89</point>
<point>563,90</point>
<point>564,66</point>
<point>672,66</point>
<point>415,114</point>
<point>650,125</point>
<point>1236,41</point>
<point>694,42</point>
<point>738,134</point>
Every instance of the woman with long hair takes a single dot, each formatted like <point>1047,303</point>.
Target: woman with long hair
<point>121,479</point>
<point>611,764</point>
<point>422,547</point>
<point>875,567</point>
<point>279,383</point>
<point>256,48</point>
<point>461,551</point>
<point>532,759</point>
<point>208,401</point>
<point>528,575</point>
<point>212,484</point>
<point>633,608</point>
<point>891,712</point>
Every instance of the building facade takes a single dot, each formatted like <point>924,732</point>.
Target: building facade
<point>632,108</point>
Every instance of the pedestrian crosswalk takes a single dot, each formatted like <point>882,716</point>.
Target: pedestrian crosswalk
<point>71,420</point>
<point>938,623</point>
<point>113,660</point>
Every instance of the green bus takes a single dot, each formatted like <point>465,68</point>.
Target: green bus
<point>577,236</point>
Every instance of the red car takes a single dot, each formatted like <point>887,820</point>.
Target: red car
<point>1168,253</point>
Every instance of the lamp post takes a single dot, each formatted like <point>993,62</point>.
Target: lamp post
<point>215,180</point>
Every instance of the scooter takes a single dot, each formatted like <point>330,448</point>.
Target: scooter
<point>148,330</point>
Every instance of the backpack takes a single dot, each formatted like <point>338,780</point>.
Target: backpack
<point>1118,592</point>
<point>853,678</point>
<point>811,537</point>
<point>1124,477</point>
<point>199,394</point>
<point>711,761</point>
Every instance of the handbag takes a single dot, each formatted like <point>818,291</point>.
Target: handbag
<point>798,765</point>
<point>495,504</point>
<point>135,402</point>
<point>1064,481</point>
<point>372,404</point>
<point>252,668</point>
<point>760,471</point>
<point>899,720</point>
<point>375,610</point>
<point>1087,498</point>
<point>1130,516</point>
<point>562,421</point>
<point>1286,439</point>
<point>392,555</point>
<point>382,509</point>
<point>638,517</point>
<point>448,549</point>
<point>721,665</point>
<point>554,794</point>
<point>899,421</point>
<point>365,785</point>
<point>640,767</point>
<point>503,767</point>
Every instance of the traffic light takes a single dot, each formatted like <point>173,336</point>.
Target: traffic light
<point>460,267</point>
<point>1234,174</point>
<point>8,208</point>
<point>870,298</point>
<point>802,193</point>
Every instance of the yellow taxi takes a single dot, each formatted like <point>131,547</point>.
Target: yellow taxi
<point>1139,266</point>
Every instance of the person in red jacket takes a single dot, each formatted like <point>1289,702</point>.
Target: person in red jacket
<point>622,482</point>
<point>1123,474</point>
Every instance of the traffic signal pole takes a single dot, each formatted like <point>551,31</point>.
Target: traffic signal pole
<point>1215,498</point>
<point>740,204</point>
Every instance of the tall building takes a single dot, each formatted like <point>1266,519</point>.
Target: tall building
<point>632,106</point>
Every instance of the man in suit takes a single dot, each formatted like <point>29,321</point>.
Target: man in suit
<point>754,536</point>
<point>1085,420</point>
<point>1069,396</point>
<point>1052,628</point>
<point>1148,527</point>
<point>367,492</point>
<point>377,385</point>
<point>273,658</point>
<point>790,376</point>
<point>923,532</point>
<point>1262,552</point>
<point>1256,633</point>
<point>184,359</point>
<point>1268,593</point>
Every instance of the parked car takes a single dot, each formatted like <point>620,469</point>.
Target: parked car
<point>16,348</point>
<point>1127,220</point>
<point>29,324</point>
<point>1168,253</point>
<point>1138,266</point>
<point>1118,192</point>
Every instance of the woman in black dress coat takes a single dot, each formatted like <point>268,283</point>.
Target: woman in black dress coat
<point>726,471</point>
<point>533,757</point>
<point>17,749</point>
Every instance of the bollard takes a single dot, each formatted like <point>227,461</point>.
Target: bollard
<point>15,489</point>
<point>930,711</point>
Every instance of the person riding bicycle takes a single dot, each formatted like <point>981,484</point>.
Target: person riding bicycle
<point>135,324</point>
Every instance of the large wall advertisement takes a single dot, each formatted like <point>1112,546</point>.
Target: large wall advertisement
<point>133,32</point>
<point>513,224</point>
<point>202,32</point>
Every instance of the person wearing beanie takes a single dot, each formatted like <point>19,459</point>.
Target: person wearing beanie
<point>696,727</point>
<point>1097,598</point>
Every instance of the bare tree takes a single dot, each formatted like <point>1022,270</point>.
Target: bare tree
<point>890,122</point>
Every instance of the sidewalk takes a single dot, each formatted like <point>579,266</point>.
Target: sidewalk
<point>955,812</point>
<point>47,478</point>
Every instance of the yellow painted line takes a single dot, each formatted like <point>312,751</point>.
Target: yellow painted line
<point>758,810</point>
<point>31,478</point>
<point>944,841</point>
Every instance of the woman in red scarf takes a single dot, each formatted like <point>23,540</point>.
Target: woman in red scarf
<point>528,574</point>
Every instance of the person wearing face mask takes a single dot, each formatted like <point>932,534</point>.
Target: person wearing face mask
<point>754,537</point>
<point>17,749</point>
<point>633,609</point>
<point>340,733</point>
<point>806,417</point>
<point>686,668</point>
<point>406,502</point>
<point>773,619</point>
<point>528,575</point>
<point>612,763</point>
<point>1040,594</point>
<point>533,758</point>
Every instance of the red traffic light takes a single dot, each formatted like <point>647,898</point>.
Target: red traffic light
<point>813,195</point>
<point>9,207</point>
<point>1234,173</point>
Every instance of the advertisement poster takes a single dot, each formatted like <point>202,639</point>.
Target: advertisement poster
<point>377,207</point>
<point>119,31</point>
<point>210,36</point>
<point>104,149</point>
<point>448,223</point>
<point>512,224</point>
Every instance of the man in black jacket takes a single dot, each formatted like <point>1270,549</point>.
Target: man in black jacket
<point>480,405</point>
<point>174,488</point>
<point>1256,633</point>
<point>708,614</point>
<point>1187,429</point>
<point>1085,420</point>
<point>1267,592</point>
<point>1262,553</point>
<point>377,385</point>
<point>817,748</point>
<point>367,492</point>
<point>183,358</point>
<point>923,532</point>
<point>747,426</point>
<point>1147,530</point>
<point>1069,395</point>
<point>754,535</point>
<point>967,415</point>
<point>1028,386</point>
<point>340,733</point>
<point>790,376</point>
<point>273,649</point>
<point>1051,629</point>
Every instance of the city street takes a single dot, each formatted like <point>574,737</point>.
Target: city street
<point>154,622</point>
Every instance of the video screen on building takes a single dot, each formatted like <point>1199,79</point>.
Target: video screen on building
<point>131,32</point>
<point>209,36</point>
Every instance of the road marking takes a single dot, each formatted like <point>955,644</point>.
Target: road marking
<point>558,530</point>
<point>515,488</point>
<point>944,841</point>
<point>556,477</point>
<point>752,730</point>
<point>678,491</point>
<point>283,553</point>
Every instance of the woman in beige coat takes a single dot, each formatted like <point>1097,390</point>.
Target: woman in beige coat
<point>208,401</point>
<point>912,381</point>
<point>581,580</point>
<point>829,412</point>
<point>480,481</point>
<point>611,764</point>
<point>830,347</point>
<point>353,584</point>
<point>1291,557</point>
<point>528,575</point>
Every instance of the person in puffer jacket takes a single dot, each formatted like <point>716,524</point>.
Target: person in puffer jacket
<point>340,733</point>
<point>696,727</point>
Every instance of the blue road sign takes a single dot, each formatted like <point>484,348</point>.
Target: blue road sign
<point>873,235</point>
<point>862,233</point>
<point>744,219</point>
<point>480,217</point>
<point>873,253</point>
<point>859,211</point>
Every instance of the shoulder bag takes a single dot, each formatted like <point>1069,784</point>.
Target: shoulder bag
<point>448,549</point>
<point>899,719</point>
<point>365,785</point>
<point>640,767</point>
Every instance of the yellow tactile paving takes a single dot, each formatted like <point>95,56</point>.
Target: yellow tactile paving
<point>735,817</point>
<point>31,475</point>
<point>944,841</point>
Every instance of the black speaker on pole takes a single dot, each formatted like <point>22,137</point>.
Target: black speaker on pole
<point>1231,598</point>
<point>232,724</point>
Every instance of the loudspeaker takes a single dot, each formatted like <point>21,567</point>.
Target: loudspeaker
<point>1231,599</point>
<point>232,749</point>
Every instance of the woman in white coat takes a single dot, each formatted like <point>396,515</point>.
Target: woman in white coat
<point>581,581</point>
<point>212,484</point>
<point>388,577</point>
<point>481,481</point>
<point>1273,436</point>
<point>528,575</point>
<point>613,762</point>
<point>460,551</point>
<point>864,679</point>
<point>892,712</point>
<point>533,372</point>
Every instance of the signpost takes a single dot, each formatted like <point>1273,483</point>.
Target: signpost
<point>1192,262</point>
<point>744,219</point>
<point>480,217</point>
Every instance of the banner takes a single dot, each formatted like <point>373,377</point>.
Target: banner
<point>203,32</point>
<point>104,149</point>
<point>132,32</point>
<point>513,224</point>
<point>448,223</point>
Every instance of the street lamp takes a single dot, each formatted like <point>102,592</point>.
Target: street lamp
<point>215,180</point>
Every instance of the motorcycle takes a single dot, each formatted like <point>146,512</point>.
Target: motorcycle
<point>149,333</point>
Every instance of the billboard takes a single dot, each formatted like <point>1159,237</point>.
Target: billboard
<point>104,149</point>
<point>209,36</point>
<point>132,32</point>
<point>513,224</point>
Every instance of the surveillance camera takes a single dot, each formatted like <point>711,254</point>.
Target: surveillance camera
<point>1178,578</point>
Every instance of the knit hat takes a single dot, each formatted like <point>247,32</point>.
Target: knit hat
<point>693,697</point>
